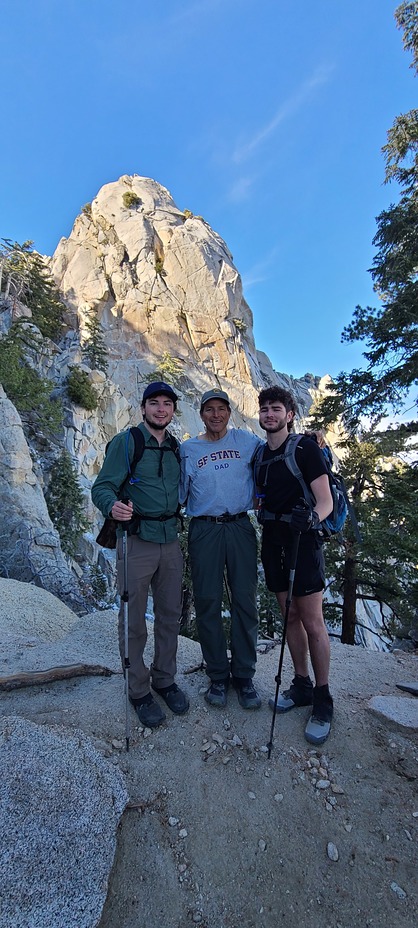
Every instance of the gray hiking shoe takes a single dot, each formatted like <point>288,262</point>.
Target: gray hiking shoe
<point>319,724</point>
<point>216,694</point>
<point>300,693</point>
<point>248,697</point>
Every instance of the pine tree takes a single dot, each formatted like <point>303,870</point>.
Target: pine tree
<point>169,369</point>
<point>80,389</point>
<point>27,390</point>
<point>384,490</point>
<point>379,465</point>
<point>390,330</point>
<point>94,348</point>
<point>24,276</point>
<point>65,503</point>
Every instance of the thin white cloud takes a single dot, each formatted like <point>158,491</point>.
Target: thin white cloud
<point>240,190</point>
<point>287,109</point>
<point>260,271</point>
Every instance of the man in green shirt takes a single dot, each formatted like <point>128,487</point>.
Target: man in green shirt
<point>149,508</point>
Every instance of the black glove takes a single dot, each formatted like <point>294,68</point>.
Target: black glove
<point>303,520</point>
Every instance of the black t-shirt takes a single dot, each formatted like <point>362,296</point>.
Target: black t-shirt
<point>282,490</point>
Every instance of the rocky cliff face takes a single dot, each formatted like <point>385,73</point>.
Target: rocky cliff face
<point>163,283</point>
<point>30,545</point>
<point>166,292</point>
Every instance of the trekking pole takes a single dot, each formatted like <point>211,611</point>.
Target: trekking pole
<point>228,592</point>
<point>125,600</point>
<point>278,678</point>
<point>228,596</point>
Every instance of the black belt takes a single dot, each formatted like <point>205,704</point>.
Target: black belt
<point>225,517</point>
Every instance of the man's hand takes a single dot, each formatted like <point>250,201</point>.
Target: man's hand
<point>303,520</point>
<point>122,512</point>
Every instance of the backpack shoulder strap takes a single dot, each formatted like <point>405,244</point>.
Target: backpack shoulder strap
<point>139,448</point>
<point>174,446</point>
<point>292,442</point>
<point>258,454</point>
<point>256,461</point>
<point>139,445</point>
<point>290,461</point>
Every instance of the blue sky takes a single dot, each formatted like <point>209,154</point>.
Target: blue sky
<point>267,117</point>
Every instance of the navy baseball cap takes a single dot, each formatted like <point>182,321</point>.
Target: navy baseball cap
<point>157,388</point>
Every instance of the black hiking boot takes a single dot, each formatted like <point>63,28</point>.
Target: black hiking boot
<point>176,700</point>
<point>300,693</point>
<point>248,697</point>
<point>319,725</point>
<point>150,714</point>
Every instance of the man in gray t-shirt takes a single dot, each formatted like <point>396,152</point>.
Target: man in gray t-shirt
<point>217,488</point>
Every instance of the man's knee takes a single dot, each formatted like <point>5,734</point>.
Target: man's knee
<point>207,606</point>
<point>308,610</point>
<point>314,625</point>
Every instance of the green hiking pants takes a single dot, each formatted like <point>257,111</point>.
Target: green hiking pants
<point>213,548</point>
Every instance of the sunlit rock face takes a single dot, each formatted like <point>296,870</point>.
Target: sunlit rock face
<point>168,298</point>
<point>30,544</point>
<point>164,285</point>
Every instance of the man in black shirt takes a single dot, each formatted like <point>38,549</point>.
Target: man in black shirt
<point>282,495</point>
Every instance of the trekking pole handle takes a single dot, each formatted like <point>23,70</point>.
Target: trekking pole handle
<point>292,569</point>
<point>127,517</point>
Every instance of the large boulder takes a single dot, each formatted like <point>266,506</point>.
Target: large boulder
<point>60,806</point>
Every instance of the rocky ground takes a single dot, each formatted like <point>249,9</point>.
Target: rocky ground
<point>217,834</point>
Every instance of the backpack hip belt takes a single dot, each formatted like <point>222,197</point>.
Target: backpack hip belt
<point>225,517</point>
<point>264,515</point>
<point>163,518</point>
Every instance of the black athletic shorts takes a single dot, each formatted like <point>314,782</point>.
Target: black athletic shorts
<point>310,567</point>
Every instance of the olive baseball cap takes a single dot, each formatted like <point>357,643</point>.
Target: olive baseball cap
<point>214,395</point>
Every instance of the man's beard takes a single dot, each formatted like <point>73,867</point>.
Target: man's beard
<point>155,425</point>
<point>277,427</point>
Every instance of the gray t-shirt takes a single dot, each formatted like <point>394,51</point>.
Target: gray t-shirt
<point>216,476</point>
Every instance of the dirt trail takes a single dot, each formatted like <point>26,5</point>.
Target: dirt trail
<point>218,835</point>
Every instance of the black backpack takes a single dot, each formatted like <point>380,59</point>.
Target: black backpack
<point>342,507</point>
<point>107,535</point>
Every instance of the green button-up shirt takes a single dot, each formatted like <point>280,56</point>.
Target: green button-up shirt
<point>156,487</point>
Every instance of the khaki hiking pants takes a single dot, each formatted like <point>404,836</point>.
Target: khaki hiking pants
<point>158,567</point>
